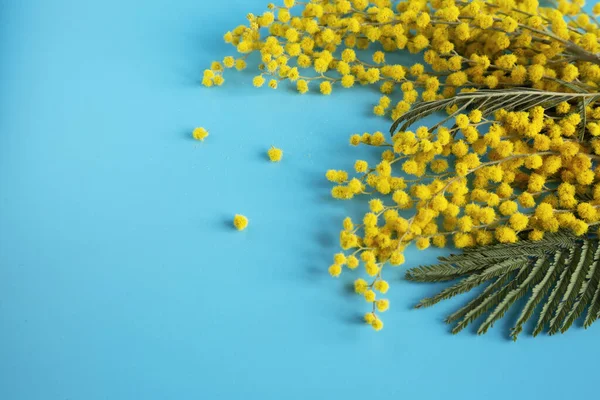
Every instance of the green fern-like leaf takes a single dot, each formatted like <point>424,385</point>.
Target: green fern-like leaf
<point>474,304</point>
<point>553,301</point>
<point>533,277</point>
<point>585,293</point>
<point>581,260</point>
<point>560,273</point>
<point>474,280</point>
<point>489,302</point>
<point>538,292</point>
<point>594,308</point>
<point>477,259</point>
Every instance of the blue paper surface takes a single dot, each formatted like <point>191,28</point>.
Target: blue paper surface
<point>121,276</point>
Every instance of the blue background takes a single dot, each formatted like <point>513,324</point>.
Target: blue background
<point>120,274</point>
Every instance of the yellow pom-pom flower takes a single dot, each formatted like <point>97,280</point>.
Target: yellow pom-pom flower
<point>376,205</point>
<point>369,296</point>
<point>228,62</point>
<point>339,258</point>
<point>377,324</point>
<point>518,221</point>
<point>508,207</point>
<point>258,81</point>
<point>381,286</point>
<point>240,64</point>
<point>240,222</point>
<point>505,234</point>
<point>360,286</point>
<point>352,262</point>
<point>382,305</point>
<point>200,133</point>
<point>397,258</point>
<point>361,166</point>
<point>335,270</point>
<point>275,154</point>
<point>302,86</point>
<point>325,88</point>
<point>371,268</point>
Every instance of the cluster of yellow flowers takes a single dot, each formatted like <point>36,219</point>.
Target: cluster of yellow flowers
<point>475,44</point>
<point>534,177</point>
<point>480,180</point>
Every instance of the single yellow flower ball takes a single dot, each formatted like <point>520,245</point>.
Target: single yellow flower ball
<point>302,86</point>
<point>381,286</point>
<point>397,258</point>
<point>335,270</point>
<point>275,154</point>
<point>352,262</point>
<point>371,268</point>
<point>348,81</point>
<point>208,82</point>
<point>228,62</point>
<point>376,205</point>
<point>360,286</point>
<point>382,305</point>
<point>377,325</point>
<point>369,296</point>
<point>355,140</point>
<point>339,258</point>
<point>240,222</point>
<point>361,166</point>
<point>240,64</point>
<point>325,88</point>
<point>258,81</point>
<point>200,133</point>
